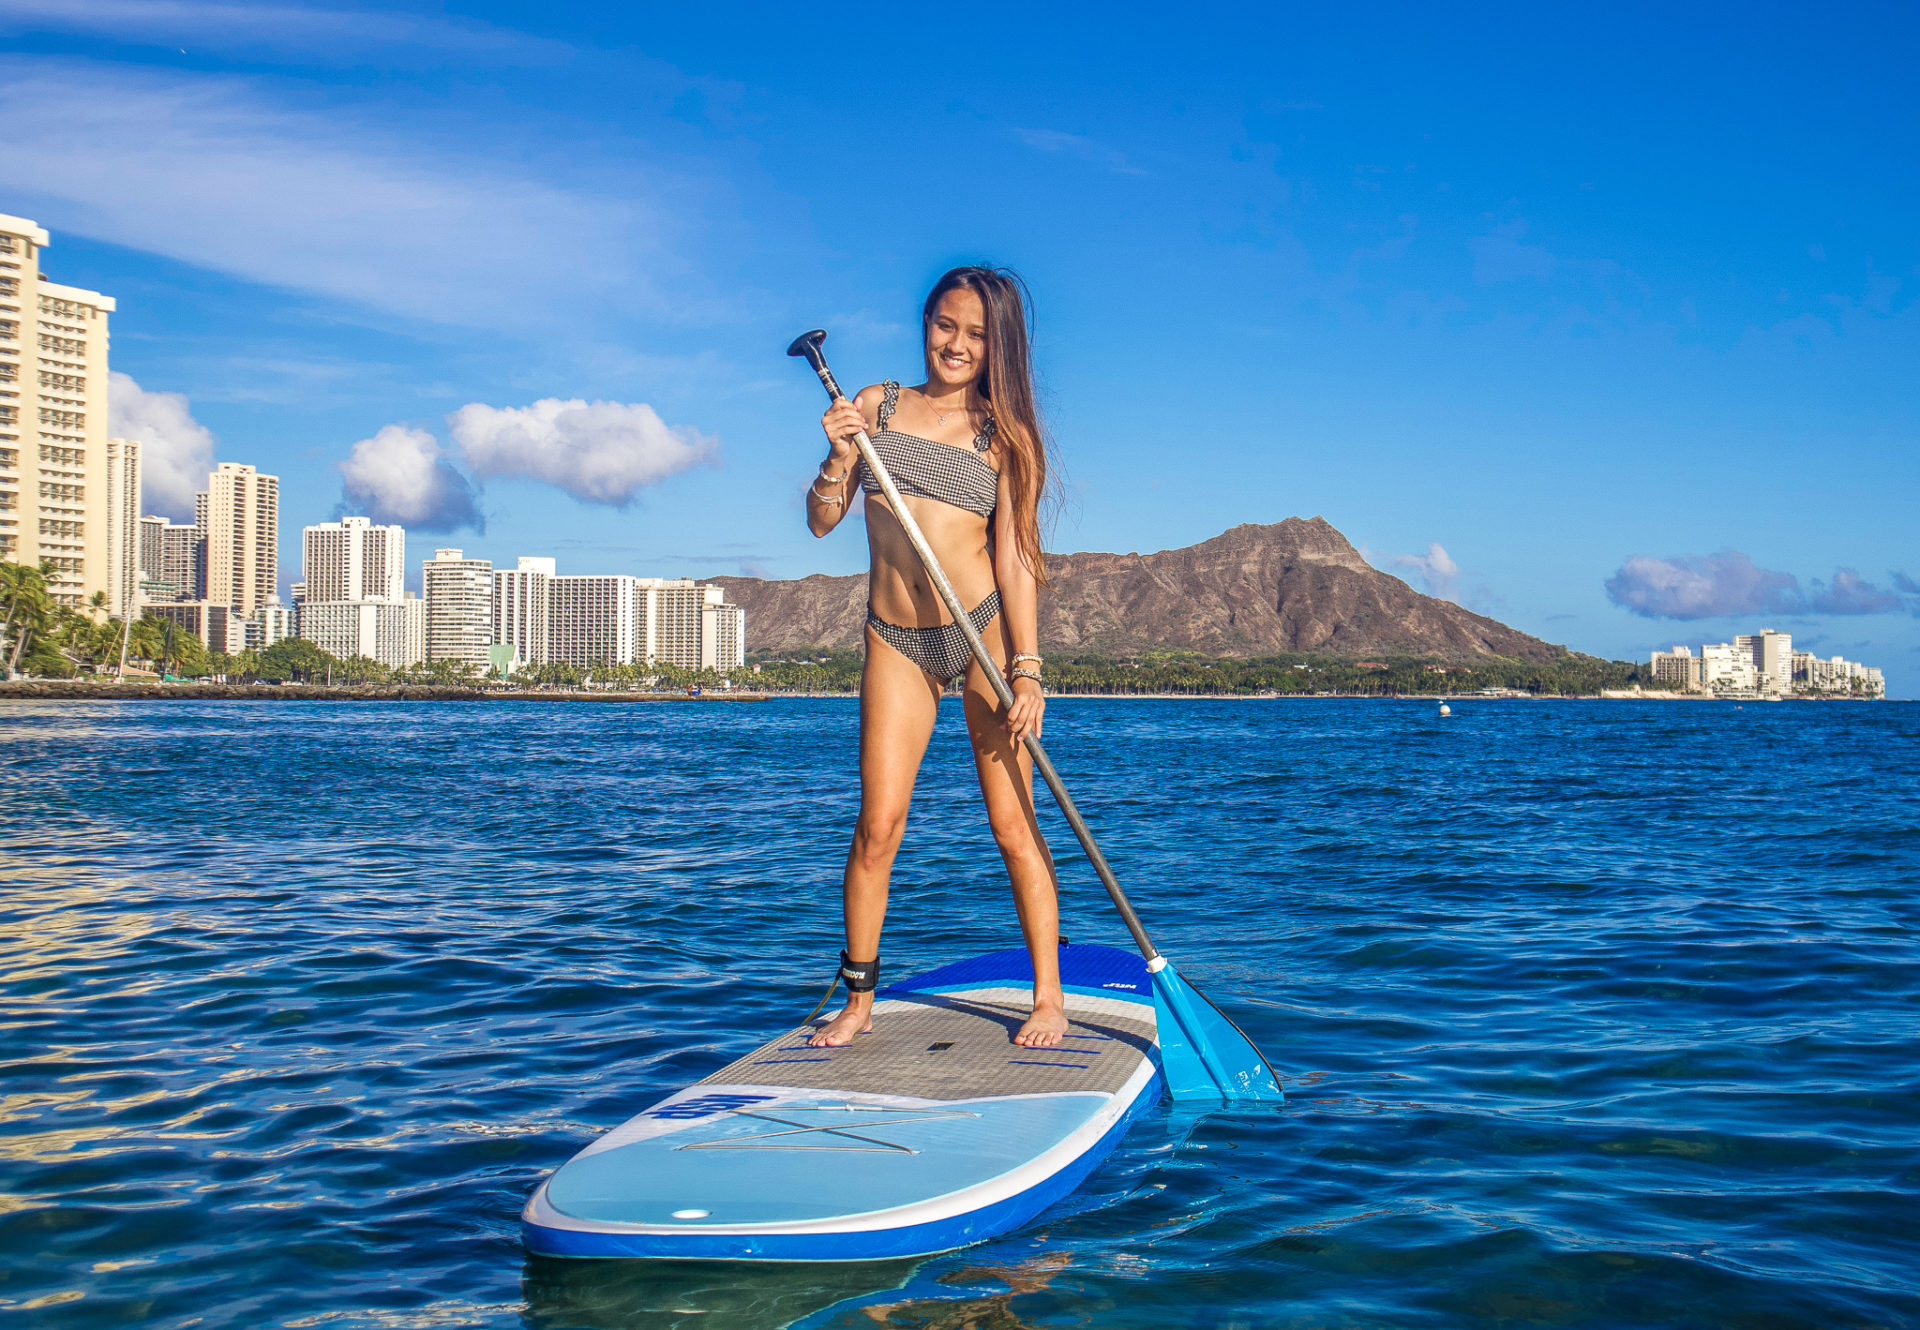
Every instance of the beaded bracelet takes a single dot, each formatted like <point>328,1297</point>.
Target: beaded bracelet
<point>1028,674</point>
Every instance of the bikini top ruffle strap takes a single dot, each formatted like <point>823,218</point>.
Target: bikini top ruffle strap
<point>891,400</point>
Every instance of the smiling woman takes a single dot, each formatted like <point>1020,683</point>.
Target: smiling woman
<point>969,456</point>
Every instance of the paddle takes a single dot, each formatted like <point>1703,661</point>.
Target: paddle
<point>1203,1054</point>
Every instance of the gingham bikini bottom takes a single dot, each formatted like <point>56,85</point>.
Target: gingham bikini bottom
<point>941,650</point>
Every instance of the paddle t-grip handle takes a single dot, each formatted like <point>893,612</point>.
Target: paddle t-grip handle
<point>808,345</point>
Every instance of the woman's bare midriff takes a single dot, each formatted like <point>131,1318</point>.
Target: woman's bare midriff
<point>898,588</point>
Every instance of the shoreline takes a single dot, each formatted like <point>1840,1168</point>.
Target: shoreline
<point>67,690</point>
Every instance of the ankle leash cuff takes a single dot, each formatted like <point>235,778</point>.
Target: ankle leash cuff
<point>861,976</point>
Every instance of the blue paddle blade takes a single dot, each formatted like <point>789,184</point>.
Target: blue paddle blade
<point>1203,1055</point>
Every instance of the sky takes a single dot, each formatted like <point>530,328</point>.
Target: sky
<point>1601,323</point>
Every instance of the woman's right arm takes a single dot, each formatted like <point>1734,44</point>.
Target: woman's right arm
<point>835,485</point>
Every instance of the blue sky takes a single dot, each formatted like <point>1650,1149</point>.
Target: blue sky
<point>1603,324</point>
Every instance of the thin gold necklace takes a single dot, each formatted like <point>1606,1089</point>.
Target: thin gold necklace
<point>944,415</point>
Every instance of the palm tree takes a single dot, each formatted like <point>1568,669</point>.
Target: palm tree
<point>30,609</point>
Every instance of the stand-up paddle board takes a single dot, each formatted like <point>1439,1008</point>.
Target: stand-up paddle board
<point>933,1132</point>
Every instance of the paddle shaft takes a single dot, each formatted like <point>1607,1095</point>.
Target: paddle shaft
<point>1001,687</point>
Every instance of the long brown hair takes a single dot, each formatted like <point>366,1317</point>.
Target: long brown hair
<point>1009,393</point>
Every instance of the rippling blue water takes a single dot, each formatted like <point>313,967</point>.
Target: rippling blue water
<point>1591,1014</point>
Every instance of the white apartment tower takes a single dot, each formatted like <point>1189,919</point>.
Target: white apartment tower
<point>392,632</point>
<point>723,634</point>
<point>590,620</point>
<point>354,559</point>
<point>240,514</point>
<point>123,527</point>
<point>615,619</point>
<point>520,600</point>
<point>54,464</point>
<point>459,596</point>
<point>1772,656</point>
<point>685,623</point>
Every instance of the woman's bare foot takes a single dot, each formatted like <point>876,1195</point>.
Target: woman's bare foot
<point>855,1018</point>
<point>1045,1027</point>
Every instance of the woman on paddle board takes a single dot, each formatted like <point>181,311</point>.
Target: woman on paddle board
<point>966,451</point>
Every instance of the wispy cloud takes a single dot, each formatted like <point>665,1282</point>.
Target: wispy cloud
<point>1729,583</point>
<point>1503,257</point>
<point>1078,145</point>
<point>176,451</point>
<point>1435,570</point>
<point>310,32</point>
<point>212,173</point>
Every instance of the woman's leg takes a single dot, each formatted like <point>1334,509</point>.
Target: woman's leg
<point>1006,780</point>
<point>898,705</point>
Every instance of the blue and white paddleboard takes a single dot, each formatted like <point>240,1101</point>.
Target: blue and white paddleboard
<point>933,1132</point>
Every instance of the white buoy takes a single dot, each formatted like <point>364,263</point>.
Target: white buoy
<point>1445,710</point>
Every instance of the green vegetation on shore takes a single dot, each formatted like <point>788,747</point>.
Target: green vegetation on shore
<point>46,640</point>
<point>825,670</point>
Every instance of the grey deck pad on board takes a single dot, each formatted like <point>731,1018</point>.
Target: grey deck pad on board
<point>953,1046</point>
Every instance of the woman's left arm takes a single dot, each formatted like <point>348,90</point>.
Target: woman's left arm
<point>1020,603</point>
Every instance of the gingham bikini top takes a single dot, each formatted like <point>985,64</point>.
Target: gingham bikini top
<point>931,469</point>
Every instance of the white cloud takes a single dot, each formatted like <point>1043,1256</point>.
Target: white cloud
<point>209,172</point>
<point>176,451</point>
<point>1437,571</point>
<point>402,475</point>
<point>1729,583</point>
<point>599,452</point>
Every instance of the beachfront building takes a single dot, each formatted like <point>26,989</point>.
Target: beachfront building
<point>175,555</point>
<point>459,595</point>
<point>590,620</point>
<point>123,527</point>
<point>353,559</point>
<point>1679,668</point>
<point>1764,664</point>
<point>1836,676</point>
<point>688,624</point>
<point>275,624</point>
<point>520,599</point>
<point>392,632</point>
<point>239,514</point>
<point>1726,668</point>
<point>56,475</point>
<point>216,625</point>
<point>615,619</point>
<point>1772,657</point>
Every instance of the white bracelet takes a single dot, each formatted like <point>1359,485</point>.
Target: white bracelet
<point>840,479</point>
<point>834,499</point>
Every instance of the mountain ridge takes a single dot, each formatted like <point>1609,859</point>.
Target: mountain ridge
<point>1256,589</point>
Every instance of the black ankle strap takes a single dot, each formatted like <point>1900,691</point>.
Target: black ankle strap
<point>861,976</point>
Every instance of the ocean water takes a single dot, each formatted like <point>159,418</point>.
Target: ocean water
<point>1590,1014</point>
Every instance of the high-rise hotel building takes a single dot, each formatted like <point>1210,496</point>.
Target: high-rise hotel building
<point>520,604</point>
<point>353,559</point>
<point>459,596</point>
<point>615,619</point>
<point>351,599</point>
<point>62,490</point>
<point>239,517</point>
